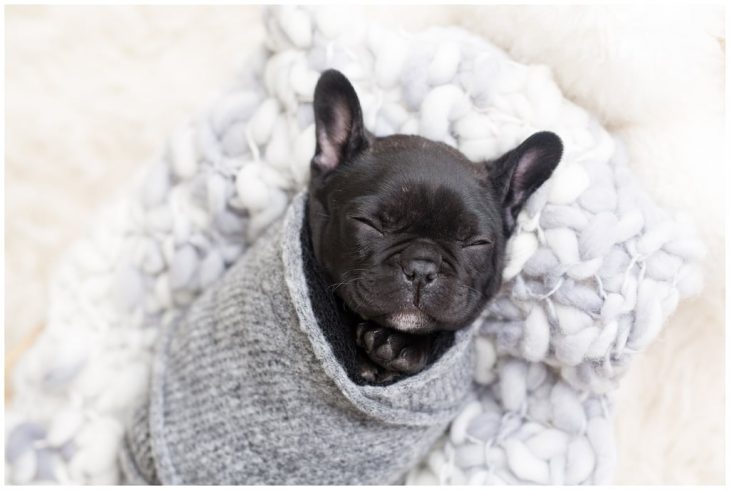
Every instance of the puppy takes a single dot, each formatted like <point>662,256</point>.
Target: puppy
<point>409,233</point>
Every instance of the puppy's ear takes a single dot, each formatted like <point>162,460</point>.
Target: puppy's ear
<point>341,133</point>
<point>520,172</point>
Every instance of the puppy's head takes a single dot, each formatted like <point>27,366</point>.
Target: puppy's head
<point>409,232</point>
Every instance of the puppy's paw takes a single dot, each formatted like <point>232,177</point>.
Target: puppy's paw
<point>393,350</point>
<point>373,374</point>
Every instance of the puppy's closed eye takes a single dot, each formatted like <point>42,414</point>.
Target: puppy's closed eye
<point>367,223</point>
<point>476,242</point>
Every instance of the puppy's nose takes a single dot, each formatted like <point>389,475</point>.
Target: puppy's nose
<point>420,263</point>
<point>420,270</point>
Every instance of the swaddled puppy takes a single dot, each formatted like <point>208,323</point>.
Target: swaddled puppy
<point>409,233</point>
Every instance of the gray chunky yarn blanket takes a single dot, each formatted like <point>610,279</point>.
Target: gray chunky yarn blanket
<point>246,389</point>
<point>592,272</point>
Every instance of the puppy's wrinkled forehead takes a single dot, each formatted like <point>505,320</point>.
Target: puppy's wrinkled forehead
<point>425,187</point>
<point>405,159</point>
<point>423,209</point>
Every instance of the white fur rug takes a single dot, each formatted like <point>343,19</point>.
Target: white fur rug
<point>655,79</point>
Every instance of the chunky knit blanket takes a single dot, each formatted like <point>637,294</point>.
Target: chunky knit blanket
<point>594,268</point>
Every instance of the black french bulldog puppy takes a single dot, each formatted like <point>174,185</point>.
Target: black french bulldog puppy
<point>409,232</point>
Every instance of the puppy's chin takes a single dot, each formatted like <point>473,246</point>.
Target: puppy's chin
<point>410,321</point>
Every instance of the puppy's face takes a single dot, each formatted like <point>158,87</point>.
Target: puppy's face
<point>409,232</point>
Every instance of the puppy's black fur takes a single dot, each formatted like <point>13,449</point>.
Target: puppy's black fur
<point>408,233</point>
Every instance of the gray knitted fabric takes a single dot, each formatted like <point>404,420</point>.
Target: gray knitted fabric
<point>246,389</point>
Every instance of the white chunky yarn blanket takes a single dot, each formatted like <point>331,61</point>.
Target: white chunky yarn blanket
<point>594,268</point>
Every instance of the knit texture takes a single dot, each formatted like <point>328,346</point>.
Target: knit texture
<point>247,390</point>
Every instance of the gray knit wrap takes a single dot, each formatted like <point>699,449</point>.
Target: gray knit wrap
<point>246,389</point>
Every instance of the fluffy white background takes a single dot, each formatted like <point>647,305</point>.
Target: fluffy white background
<point>91,94</point>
